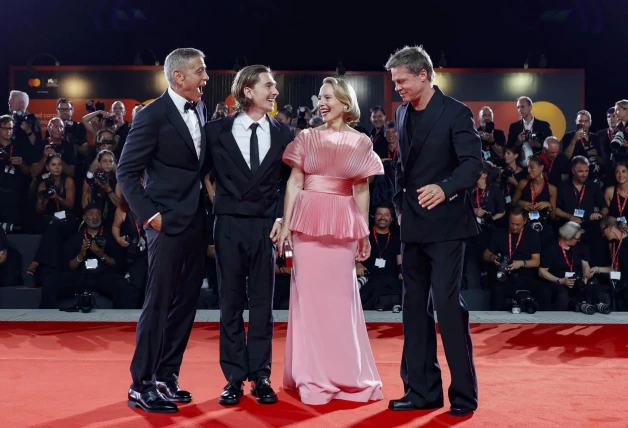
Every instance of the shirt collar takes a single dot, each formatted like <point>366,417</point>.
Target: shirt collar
<point>178,100</point>
<point>246,121</point>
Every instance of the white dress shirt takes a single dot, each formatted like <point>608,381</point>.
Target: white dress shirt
<point>190,119</point>
<point>525,147</point>
<point>241,131</point>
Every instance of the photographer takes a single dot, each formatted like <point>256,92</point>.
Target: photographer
<point>27,127</point>
<point>100,187</point>
<point>301,122</point>
<point>105,140</point>
<point>529,132</point>
<point>556,163</point>
<point>538,198</point>
<point>617,195</point>
<point>54,144</point>
<point>93,120</point>
<point>55,194</point>
<point>616,233</point>
<point>620,150</point>
<point>493,140</point>
<point>10,263</point>
<point>74,132</point>
<point>583,143</point>
<point>511,173</point>
<point>91,262</point>
<point>12,167</point>
<point>132,238</point>
<point>514,255</point>
<point>565,268</point>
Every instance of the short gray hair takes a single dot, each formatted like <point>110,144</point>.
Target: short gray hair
<point>569,230</point>
<point>415,59</point>
<point>177,60</point>
<point>485,108</point>
<point>19,94</point>
<point>316,121</point>
<point>550,140</point>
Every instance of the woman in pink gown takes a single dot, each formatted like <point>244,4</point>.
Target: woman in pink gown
<point>328,354</point>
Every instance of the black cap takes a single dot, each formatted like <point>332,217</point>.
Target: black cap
<point>91,206</point>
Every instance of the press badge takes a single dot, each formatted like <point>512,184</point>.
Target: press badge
<point>380,263</point>
<point>622,220</point>
<point>569,274</point>
<point>91,264</point>
<point>60,215</point>
<point>615,275</point>
<point>9,170</point>
<point>508,199</point>
<point>534,215</point>
<point>578,213</point>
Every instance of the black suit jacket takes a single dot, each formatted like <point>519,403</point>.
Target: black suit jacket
<point>160,144</point>
<point>238,190</point>
<point>538,125</point>
<point>446,151</point>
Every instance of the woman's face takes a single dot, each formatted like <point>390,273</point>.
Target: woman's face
<point>608,232</point>
<point>510,157</point>
<point>106,163</point>
<point>55,166</point>
<point>331,109</point>
<point>621,174</point>
<point>534,170</point>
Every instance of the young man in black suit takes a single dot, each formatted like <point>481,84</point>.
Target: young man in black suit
<point>439,159</point>
<point>245,151</point>
<point>167,143</point>
<point>529,132</point>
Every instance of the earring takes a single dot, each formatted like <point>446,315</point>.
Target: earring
<point>346,108</point>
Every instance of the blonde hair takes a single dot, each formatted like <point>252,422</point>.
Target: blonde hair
<point>345,93</point>
<point>608,221</point>
<point>246,78</point>
<point>622,103</point>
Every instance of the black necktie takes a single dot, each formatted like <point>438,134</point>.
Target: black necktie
<point>254,148</point>
<point>189,105</point>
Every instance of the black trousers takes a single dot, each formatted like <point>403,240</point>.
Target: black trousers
<point>244,250</point>
<point>175,276</point>
<point>436,267</point>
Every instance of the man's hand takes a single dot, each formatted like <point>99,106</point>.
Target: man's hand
<point>156,223</point>
<point>569,282</point>
<point>522,137</point>
<point>516,265</point>
<point>575,219</point>
<point>274,233</point>
<point>98,252</point>
<point>485,136</point>
<point>3,257</point>
<point>359,269</point>
<point>595,216</point>
<point>84,248</point>
<point>431,196</point>
<point>495,258</point>
<point>399,219</point>
<point>16,161</point>
<point>479,212</point>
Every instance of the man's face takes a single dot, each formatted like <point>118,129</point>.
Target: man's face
<point>552,151</point>
<point>378,119</point>
<point>580,173</point>
<point>391,135</point>
<point>263,93</point>
<point>383,218</point>
<point>516,223</point>
<point>191,79</point>
<point>55,128</point>
<point>410,87</point>
<point>282,118</point>
<point>105,142</point>
<point>136,109</point>
<point>93,218</point>
<point>585,121</point>
<point>118,110</point>
<point>486,116</point>
<point>65,111</point>
<point>524,108</point>
<point>16,103</point>
<point>6,131</point>
<point>611,119</point>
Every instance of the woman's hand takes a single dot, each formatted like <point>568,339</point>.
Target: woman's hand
<point>285,238</point>
<point>364,249</point>
<point>542,205</point>
<point>122,242</point>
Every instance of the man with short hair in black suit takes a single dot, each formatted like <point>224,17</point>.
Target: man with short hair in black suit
<point>245,151</point>
<point>167,143</point>
<point>529,132</point>
<point>439,159</point>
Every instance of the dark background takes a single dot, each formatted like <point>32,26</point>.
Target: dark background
<point>588,34</point>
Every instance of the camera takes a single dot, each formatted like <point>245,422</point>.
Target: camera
<point>56,147</point>
<point>20,116</point>
<point>603,308</point>
<point>301,121</point>
<point>618,139</point>
<point>5,157</point>
<point>10,227</point>
<point>584,307</point>
<point>99,175</point>
<point>537,136</point>
<point>362,280</point>
<point>503,270</point>
<point>49,189</point>
<point>524,302</point>
<point>99,240</point>
<point>537,225</point>
<point>486,219</point>
<point>84,302</point>
<point>489,127</point>
<point>91,107</point>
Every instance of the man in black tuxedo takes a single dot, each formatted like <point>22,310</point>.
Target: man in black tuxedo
<point>439,159</point>
<point>167,144</point>
<point>529,132</point>
<point>245,152</point>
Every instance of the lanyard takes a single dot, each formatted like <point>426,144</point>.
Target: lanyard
<point>610,135</point>
<point>621,206</point>
<point>575,191</point>
<point>377,243</point>
<point>479,197</point>
<point>394,153</point>
<point>616,253</point>
<point>533,193</point>
<point>569,265</point>
<point>510,251</point>
<point>101,232</point>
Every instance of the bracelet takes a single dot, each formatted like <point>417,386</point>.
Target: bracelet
<point>77,259</point>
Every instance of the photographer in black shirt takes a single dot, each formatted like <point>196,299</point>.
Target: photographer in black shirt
<point>514,255</point>
<point>616,233</point>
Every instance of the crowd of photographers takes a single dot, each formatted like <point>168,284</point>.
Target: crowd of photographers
<point>551,212</point>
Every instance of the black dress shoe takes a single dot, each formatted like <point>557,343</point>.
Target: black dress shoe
<point>170,389</point>
<point>403,404</point>
<point>460,411</point>
<point>232,393</point>
<point>262,390</point>
<point>151,401</point>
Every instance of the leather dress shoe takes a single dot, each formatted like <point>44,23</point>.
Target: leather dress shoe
<point>231,394</point>
<point>262,390</point>
<point>460,411</point>
<point>403,404</point>
<point>170,389</point>
<point>151,401</point>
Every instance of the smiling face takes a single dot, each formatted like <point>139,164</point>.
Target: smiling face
<point>410,87</point>
<point>191,79</point>
<point>263,94</point>
<point>330,107</point>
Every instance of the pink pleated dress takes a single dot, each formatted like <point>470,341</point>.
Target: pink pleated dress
<point>328,353</point>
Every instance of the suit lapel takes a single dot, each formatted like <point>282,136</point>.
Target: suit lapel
<point>433,111</point>
<point>275,148</point>
<point>202,120</point>
<point>175,118</point>
<point>401,132</point>
<point>230,144</point>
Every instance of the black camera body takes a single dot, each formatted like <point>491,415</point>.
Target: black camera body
<point>49,189</point>
<point>98,175</point>
<point>5,157</point>
<point>100,241</point>
<point>503,270</point>
<point>486,219</point>
<point>537,225</point>
<point>84,302</point>
<point>56,147</point>
<point>20,116</point>
<point>489,127</point>
<point>536,136</point>
<point>618,139</point>
<point>524,302</point>
<point>91,107</point>
<point>301,120</point>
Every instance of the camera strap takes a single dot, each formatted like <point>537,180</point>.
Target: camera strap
<point>575,191</point>
<point>479,197</point>
<point>510,251</point>
<point>569,265</point>
<point>533,193</point>
<point>101,232</point>
<point>620,205</point>
<point>616,253</point>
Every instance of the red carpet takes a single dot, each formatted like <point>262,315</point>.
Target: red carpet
<point>64,375</point>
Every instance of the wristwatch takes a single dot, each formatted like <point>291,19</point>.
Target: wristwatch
<point>524,263</point>
<point>558,282</point>
<point>282,271</point>
<point>104,258</point>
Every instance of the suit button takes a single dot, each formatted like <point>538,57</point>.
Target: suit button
<point>404,190</point>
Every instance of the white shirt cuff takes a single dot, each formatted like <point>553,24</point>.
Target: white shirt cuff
<point>150,219</point>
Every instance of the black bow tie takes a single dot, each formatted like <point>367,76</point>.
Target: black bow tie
<point>189,105</point>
